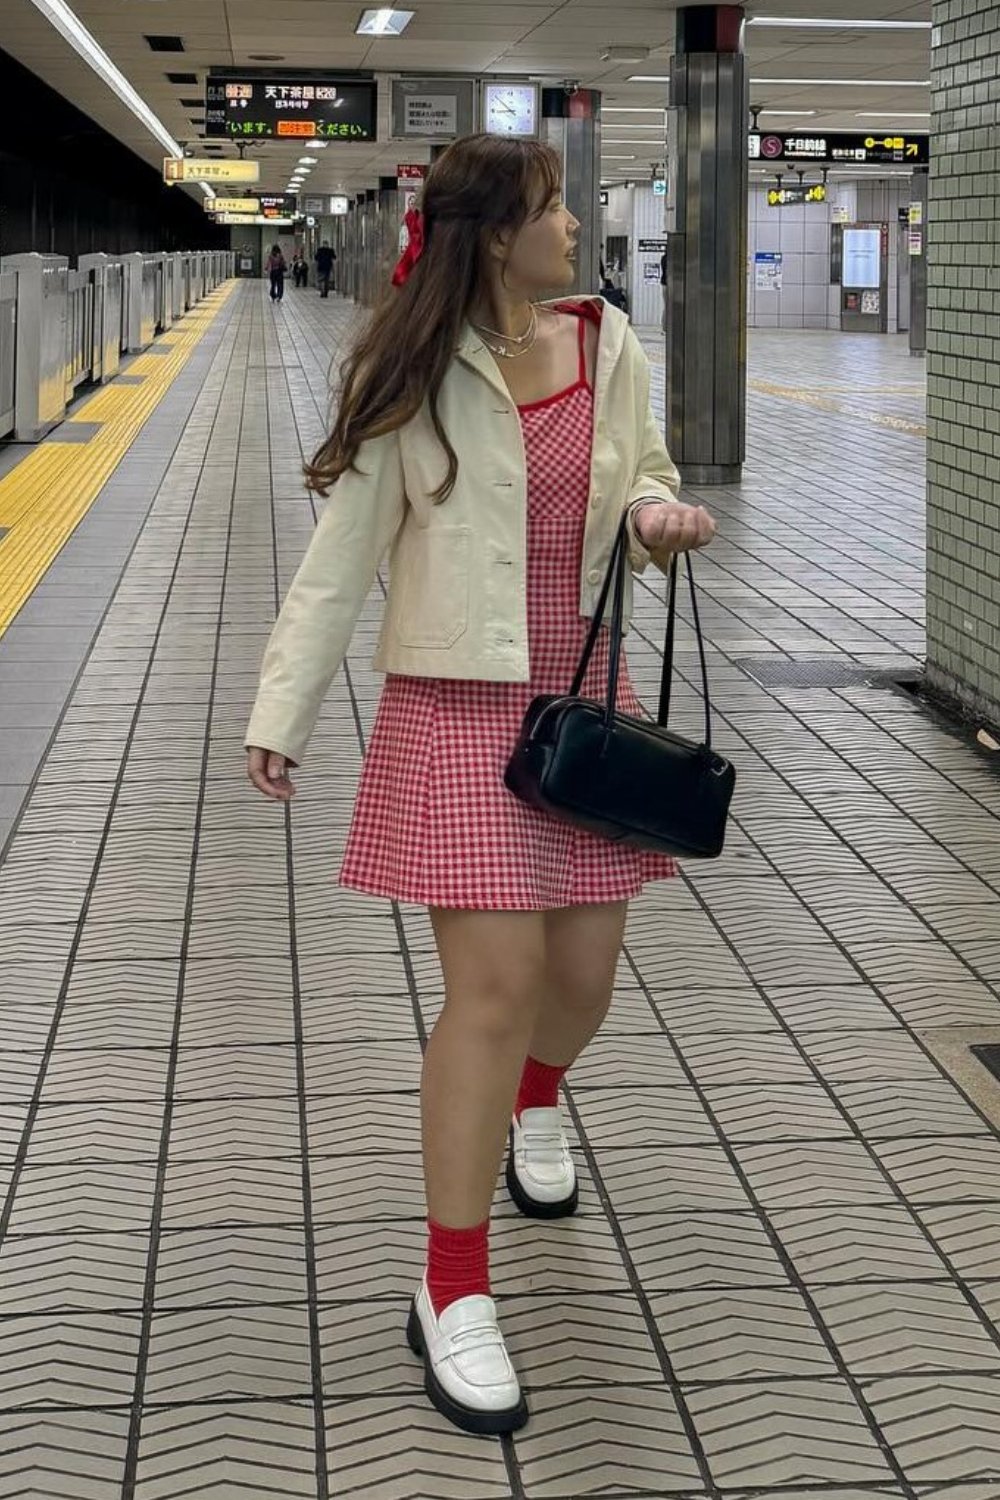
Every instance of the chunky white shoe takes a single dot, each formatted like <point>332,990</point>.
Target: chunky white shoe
<point>541,1177</point>
<point>468,1375</point>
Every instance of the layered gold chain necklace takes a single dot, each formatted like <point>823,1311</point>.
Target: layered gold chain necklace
<point>511,347</point>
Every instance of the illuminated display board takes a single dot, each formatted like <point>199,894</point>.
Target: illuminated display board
<point>822,146</point>
<point>294,109</point>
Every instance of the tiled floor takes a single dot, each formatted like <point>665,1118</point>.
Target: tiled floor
<point>784,1279</point>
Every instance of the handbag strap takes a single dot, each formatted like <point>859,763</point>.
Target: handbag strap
<point>615,576</point>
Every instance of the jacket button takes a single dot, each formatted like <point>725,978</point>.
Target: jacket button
<point>594,576</point>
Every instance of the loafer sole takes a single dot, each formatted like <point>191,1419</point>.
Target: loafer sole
<point>536,1208</point>
<point>490,1423</point>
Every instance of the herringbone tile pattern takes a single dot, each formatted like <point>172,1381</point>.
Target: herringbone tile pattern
<point>784,1279</point>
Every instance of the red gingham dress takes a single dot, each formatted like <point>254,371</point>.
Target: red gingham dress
<point>433,822</point>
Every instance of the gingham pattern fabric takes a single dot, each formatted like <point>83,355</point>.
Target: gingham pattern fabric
<point>434,823</point>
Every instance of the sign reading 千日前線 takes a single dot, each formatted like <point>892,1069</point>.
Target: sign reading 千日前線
<point>861,149</point>
<point>297,109</point>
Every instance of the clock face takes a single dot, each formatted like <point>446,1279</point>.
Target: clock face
<point>511,109</point>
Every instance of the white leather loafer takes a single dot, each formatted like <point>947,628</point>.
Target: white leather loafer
<point>468,1375</point>
<point>541,1177</point>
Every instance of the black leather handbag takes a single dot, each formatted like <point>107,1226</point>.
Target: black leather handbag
<point>625,779</point>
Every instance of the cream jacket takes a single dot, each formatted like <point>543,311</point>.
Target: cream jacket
<point>456,599</point>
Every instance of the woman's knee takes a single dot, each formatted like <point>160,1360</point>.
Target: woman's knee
<point>494,970</point>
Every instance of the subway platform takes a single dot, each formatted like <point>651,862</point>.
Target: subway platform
<point>784,1279</point>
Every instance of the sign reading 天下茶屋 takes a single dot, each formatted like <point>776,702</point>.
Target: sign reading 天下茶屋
<point>288,108</point>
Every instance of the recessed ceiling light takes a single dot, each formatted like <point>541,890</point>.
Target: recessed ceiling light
<point>832,24</point>
<point>318,145</point>
<point>852,83</point>
<point>307,161</point>
<point>384,22</point>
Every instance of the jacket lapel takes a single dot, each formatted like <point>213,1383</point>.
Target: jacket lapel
<point>614,326</point>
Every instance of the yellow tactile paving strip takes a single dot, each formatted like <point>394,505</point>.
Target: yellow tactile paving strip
<point>44,498</point>
<point>825,400</point>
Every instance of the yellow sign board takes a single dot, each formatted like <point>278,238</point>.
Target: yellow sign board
<point>232,205</point>
<point>205,169</point>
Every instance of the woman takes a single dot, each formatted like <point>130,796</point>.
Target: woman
<point>491,444</point>
<point>276,271</point>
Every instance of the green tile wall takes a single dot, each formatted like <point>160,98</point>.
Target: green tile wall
<point>963,355</point>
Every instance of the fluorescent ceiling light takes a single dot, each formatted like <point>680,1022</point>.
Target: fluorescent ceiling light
<point>653,145</point>
<point>855,83</point>
<point>616,158</point>
<point>650,78</point>
<point>384,22</point>
<point>633,109</point>
<point>787,114</point>
<point>307,161</point>
<point>834,25</point>
<point>72,30</point>
<point>896,114</point>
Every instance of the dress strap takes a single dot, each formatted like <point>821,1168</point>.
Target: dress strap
<point>582,341</point>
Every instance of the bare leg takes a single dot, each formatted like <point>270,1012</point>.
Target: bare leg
<point>582,947</point>
<point>494,973</point>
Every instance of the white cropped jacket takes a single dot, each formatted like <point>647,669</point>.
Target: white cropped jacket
<point>456,597</point>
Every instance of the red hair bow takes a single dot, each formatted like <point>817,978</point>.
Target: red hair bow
<point>414,221</point>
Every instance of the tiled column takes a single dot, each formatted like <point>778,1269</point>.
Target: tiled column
<point>963,356</point>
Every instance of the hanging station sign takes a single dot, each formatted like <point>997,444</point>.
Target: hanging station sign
<point>252,219</point>
<point>290,108</point>
<point>861,149</point>
<point>437,109</point>
<point>219,205</point>
<point>800,193</point>
<point>207,169</point>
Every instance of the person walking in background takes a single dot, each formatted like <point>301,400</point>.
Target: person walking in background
<point>300,268</point>
<point>325,257</point>
<point>499,544</point>
<point>276,268</point>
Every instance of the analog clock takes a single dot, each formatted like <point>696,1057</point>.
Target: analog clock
<point>510,109</point>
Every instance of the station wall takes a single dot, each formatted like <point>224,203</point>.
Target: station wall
<point>801,233</point>
<point>71,188</point>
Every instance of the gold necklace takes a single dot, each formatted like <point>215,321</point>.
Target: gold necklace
<point>503,352</point>
<point>510,338</point>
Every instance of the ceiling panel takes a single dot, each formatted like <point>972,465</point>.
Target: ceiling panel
<point>553,40</point>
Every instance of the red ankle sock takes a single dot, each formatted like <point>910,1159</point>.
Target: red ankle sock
<point>539,1088</point>
<point>458,1263</point>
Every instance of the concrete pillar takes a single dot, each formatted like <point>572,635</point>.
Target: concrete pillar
<point>963,372</point>
<point>708,185</point>
<point>571,123</point>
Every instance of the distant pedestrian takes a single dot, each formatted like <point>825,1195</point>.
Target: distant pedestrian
<point>300,268</point>
<point>325,257</point>
<point>276,268</point>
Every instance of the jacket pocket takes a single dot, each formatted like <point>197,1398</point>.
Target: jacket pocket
<point>432,609</point>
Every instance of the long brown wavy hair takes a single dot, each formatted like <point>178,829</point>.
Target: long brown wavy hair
<point>480,186</point>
